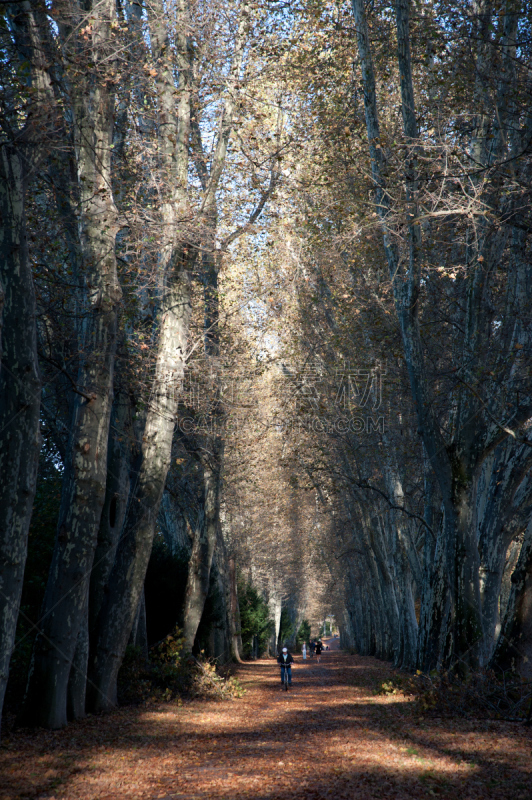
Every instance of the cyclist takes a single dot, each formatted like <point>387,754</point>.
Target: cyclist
<point>285,660</point>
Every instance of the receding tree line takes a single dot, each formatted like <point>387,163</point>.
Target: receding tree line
<point>410,364</point>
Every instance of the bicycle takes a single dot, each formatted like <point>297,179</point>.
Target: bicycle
<point>285,676</point>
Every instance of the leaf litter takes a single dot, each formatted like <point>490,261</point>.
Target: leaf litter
<point>332,736</point>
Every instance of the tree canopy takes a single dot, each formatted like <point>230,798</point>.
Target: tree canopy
<point>265,315</point>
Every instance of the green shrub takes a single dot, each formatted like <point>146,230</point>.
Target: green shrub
<point>286,627</point>
<point>303,635</point>
<point>254,619</point>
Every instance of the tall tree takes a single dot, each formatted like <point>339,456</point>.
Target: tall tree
<point>86,38</point>
<point>177,255</point>
<point>476,427</point>
<point>28,118</point>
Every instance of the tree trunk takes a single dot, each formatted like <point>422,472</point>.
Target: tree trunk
<point>406,564</point>
<point>114,506</point>
<point>505,506</point>
<point>512,557</point>
<point>236,626</point>
<point>454,465</point>
<point>173,525</point>
<point>407,613</point>
<point>225,567</point>
<point>139,632</point>
<point>383,584</point>
<point>205,536</point>
<point>134,549</point>
<point>221,629</point>
<point>177,256</point>
<point>435,607</point>
<point>77,681</point>
<point>514,647</point>
<point>213,446</point>
<point>84,482</point>
<point>20,392</point>
<point>274,604</point>
<point>2,293</point>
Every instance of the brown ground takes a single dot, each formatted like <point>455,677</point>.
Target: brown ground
<point>331,736</point>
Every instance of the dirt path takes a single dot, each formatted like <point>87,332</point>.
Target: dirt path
<point>331,736</point>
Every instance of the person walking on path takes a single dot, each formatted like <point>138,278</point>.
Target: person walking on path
<point>285,660</point>
<point>312,647</point>
<point>304,651</point>
<point>319,648</point>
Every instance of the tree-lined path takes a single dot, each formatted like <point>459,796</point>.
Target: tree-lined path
<point>265,372</point>
<point>331,736</point>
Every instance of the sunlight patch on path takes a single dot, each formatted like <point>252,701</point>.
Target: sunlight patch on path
<point>331,736</point>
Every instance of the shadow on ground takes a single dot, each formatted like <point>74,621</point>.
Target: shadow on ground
<point>329,737</point>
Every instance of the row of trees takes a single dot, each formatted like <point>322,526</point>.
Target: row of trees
<point>411,242</point>
<point>117,132</point>
<point>266,280</point>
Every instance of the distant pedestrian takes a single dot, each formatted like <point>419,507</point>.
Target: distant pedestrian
<point>319,648</point>
<point>312,647</point>
<point>304,650</point>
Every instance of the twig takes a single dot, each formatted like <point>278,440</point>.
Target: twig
<point>75,389</point>
<point>206,674</point>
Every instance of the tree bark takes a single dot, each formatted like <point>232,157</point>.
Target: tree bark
<point>77,680</point>
<point>503,516</point>
<point>435,608</point>
<point>406,564</point>
<point>2,301</point>
<point>274,605</point>
<point>203,545</point>
<point>177,256</point>
<point>20,389</point>
<point>514,647</point>
<point>173,526</point>
<point>457,464</point>
<point>133,552</point>
<point>83,489</point>
<point>237,649</point>
<point>20,384</point>
<point>139,632</point>
<point>114,507</point>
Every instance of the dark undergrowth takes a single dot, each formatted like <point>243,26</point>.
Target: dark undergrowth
<point>171,674</point>
<point>483,694</point>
